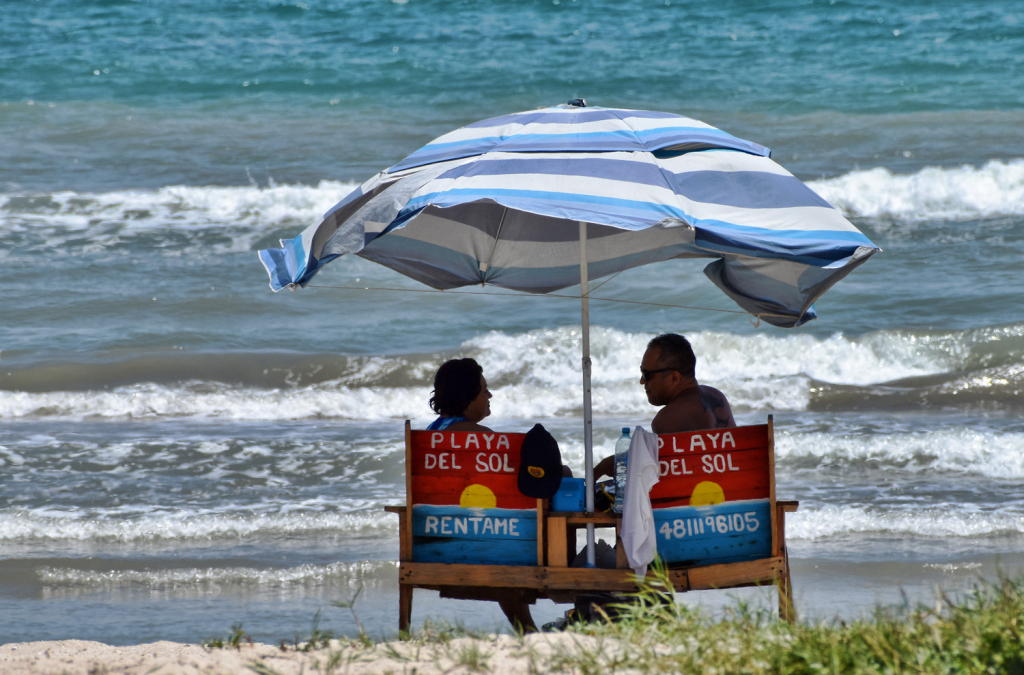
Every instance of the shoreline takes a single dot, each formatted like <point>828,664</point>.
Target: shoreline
<point>977,632</point>
<point>825,589</point>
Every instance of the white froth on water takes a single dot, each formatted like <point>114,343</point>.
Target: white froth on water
<point>874,358</point>
<point>541,374</point>
<point>149,401</point>
<point>177,206</point>
<point>175,220</point>
<point>954,567</point>
<point>830,521</point>
<point>954,193</point>
<point>933,193</point>
<point>532,375</point>
<point>109,526</point>
<point>957,450</point>
<point>550,357</point>
<point>362,573</point>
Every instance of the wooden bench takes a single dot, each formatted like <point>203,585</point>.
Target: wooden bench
<point>467,532</point>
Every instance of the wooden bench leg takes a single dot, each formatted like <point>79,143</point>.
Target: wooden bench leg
<point>787,611</point>
<point>404,609</point>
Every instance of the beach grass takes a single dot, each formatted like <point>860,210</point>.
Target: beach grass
<point>234,640</point>
<point>978,630</point>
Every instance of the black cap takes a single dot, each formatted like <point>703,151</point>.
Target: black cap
<point>577,102</point>
<point>540,464</point>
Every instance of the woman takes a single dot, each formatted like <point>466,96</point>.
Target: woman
<point>461,399</point>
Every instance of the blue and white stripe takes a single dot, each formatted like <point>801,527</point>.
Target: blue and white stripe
<point>580,129</point>
<point>499,202</point>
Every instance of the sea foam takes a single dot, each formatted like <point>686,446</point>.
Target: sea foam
<point>831,521</point>
<point>369,573</point>
<point>533,374</point>
<point>177,206</point>
<point>954,451</point>
<point>933,193</point>
<point>110,527</point>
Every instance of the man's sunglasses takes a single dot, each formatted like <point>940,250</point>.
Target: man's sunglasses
<point>646,374</point>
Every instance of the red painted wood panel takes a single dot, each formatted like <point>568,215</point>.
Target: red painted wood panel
<point>665,502</point>
<point>448,490</point>
<point>735,459</point>
<point>444,463</point>
<point>736,438</point>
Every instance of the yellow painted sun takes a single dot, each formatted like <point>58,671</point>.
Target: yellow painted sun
<point>477,496</point>
<point>704,494</point>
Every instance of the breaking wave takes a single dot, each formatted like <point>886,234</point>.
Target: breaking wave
<point>51,526</point>
<point>956,451</point>
<point>537,374</point>
<point>177,206</point>
<point>827,522</point>
<point>933,193</point>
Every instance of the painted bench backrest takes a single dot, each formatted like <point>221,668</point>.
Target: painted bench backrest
<point>715,499</point>
<point>465,501</point>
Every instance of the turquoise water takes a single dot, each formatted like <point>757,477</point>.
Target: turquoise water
<point>301,92</point>
<point>775,57</point>
<point>181,449</point>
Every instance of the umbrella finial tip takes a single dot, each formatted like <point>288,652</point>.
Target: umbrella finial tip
<point>577,102</point>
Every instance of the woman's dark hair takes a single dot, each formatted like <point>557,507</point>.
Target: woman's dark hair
<point>456,384</point>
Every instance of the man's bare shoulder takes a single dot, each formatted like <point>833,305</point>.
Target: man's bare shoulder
<point>686,412</point>
<point>711,394</point>
<point>715,402</point>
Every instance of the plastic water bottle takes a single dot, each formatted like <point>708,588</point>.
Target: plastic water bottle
<point>621,455</point>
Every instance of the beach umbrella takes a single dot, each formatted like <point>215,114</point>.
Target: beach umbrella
<point>541,200</point>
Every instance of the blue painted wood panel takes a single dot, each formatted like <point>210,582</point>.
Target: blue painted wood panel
<point>709,535</point>
<point>450,534</point>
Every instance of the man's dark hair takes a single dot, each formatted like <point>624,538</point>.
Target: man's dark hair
<point>675,352</point>
<point>456,384</point>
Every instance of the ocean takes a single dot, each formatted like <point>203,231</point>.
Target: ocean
<point>182,450</point>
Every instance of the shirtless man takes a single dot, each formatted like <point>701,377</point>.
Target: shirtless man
<point>667,372</point>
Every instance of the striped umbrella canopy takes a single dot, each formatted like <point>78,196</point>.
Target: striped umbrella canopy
<point>499,202</point>
<point>541,200</point>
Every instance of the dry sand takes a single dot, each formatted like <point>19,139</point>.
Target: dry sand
<point>498,654</point>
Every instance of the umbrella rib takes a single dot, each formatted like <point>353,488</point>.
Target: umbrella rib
<point>486,267</point>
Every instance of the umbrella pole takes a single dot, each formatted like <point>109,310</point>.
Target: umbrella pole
<point>588,414</point>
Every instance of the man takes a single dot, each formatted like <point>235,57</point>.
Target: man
<point>668,373</point>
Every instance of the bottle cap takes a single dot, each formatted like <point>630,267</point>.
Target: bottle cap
<point>625,430</point>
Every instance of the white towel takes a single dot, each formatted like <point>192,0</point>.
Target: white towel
<point>639,537</point>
